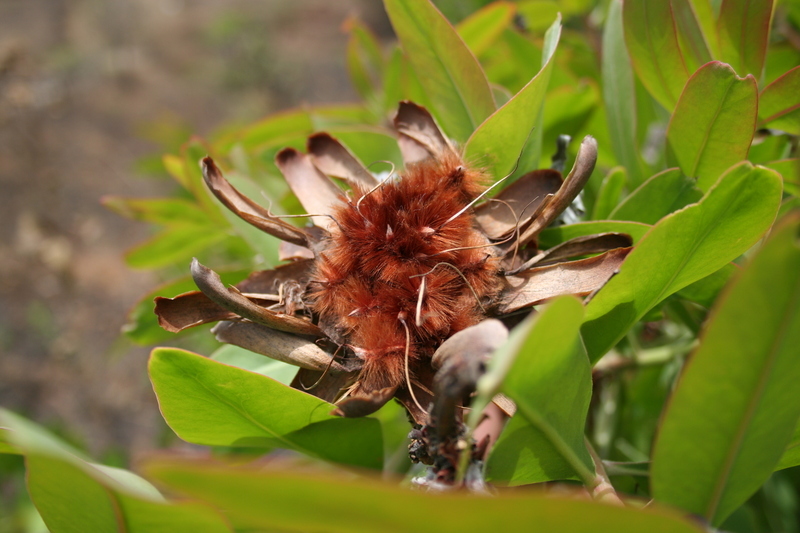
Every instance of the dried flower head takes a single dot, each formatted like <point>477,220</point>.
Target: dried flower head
<point>395,267</point>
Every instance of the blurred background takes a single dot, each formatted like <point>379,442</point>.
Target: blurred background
<point>92,92</point>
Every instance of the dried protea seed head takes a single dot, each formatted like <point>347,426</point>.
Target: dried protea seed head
<point>405,267</point>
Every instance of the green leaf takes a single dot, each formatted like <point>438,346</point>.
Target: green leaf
<point>652,42</point>
<point>708,460</point>
<point>206,402</point>
<point>705,291</point>
<point>157,210</point>
<point>450,74</point>
<point>246,360</point>
<point>172,245</point>
<point>364,59</point>
<point>558,234</point>
<point>704,13</point>
<point>791,455</point>
<point>609,193</point>
<point>779,103</point>
<point>743,30</point>
<point>293,501</point>
<point>496,145</point>
<point>619,95</point>
<point>657,197</point>
<point>537,14</point>
<point>549,378</point>
<point>700,239</point>
<point>713,125</point>
<point>694,43</point>
<point>483,27</point>
<point>73,495</point>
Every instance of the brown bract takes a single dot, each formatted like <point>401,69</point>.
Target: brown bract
<point>393,269</point>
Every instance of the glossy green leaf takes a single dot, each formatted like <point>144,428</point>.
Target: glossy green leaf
<point>450,74</point>
<point>157,210</point>
<point>743,31</point>
<point>558,234</point>
<point>609,193</point>
<point>483,27</point>
<point>549,379</point>
<point>173,244</point>
<point>286,500</point>
<point>701,239</point>
<point>708,460</point>
<point>713,124</point>
<point>693,41</point>
<point>657,197</point>
<point>206,402</point>
<point>791,455</point>
<point>652,42</point>
<point>779,103</point>
<point>496,145</point>
<point>73,495</point>
<point>619,95</point>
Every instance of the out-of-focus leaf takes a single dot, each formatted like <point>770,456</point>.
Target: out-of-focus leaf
<point>497,143</point>
<point>743,30</point>
<point>619,95</point>
<point>705,291</point>
<point>657,197</point>
<point>694,43</point>
<point>272,130</point>
<point>261,242</point>
<point>450,74</point>
<point>609,193</point>
<point>549,378</point>
<point>173,244</point>
<point>700,240</point>
<point>290,500</point>
<point>652,42</point>
<point>558,234</point>
<point>713,124</point>
<point>708,460</point>
<point>73,495</point>
<point>483,27</point>
<point>537,14</point>
<point>704,13</point>
<point>791,455</point>
<point>400,82</point>
<point>790,170</point>
<point>192,152</point>
<point>779,103</point>
<point>364,59</point>
<point>245,359</point>
<point>157,210</point>
<point>206,402</point>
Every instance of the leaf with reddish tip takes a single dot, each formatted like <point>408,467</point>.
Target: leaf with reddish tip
<point>574,277</point>
<point>779,103</point>
<point>450,74</point>
<point>247,209</point>
<point>333,159</point>
<point>206,402</point>
<point>652,42</point>
<point>743,30</point>
<point>713,124</point>
<point>316,192</point>
<point>497,143</point>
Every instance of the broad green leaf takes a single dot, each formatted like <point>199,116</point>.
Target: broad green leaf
<point>705,291</point>
<point>652,42</point>
<point>619,95</point>
<point>450,74</point>
<point>779,103</point>
<point>537,14</point>
<point>713,124</point>
<point>709,460</point>
<point>743,30</point>
<point>157,210</point>
<point>609,193</point>
<point>704,13</point>
<point>558,234</point>
<point>206,402</point>
<point>400,82</point>
<point>173,244</point>
<point>549,379</point>
<point>657,197</point>
<point>483,27</point>
<point>73,495</point>
<point>245,359</point>
<point>694,43</point>
<point>284,500</point>
<point>791,455</point>
<point>496,145</point>
<point>364,59</point>
<point>682,248</point>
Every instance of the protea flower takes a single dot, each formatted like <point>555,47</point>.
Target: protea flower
<point>392,269</point>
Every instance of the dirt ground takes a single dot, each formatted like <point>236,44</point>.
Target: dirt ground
<point>83,83</point>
